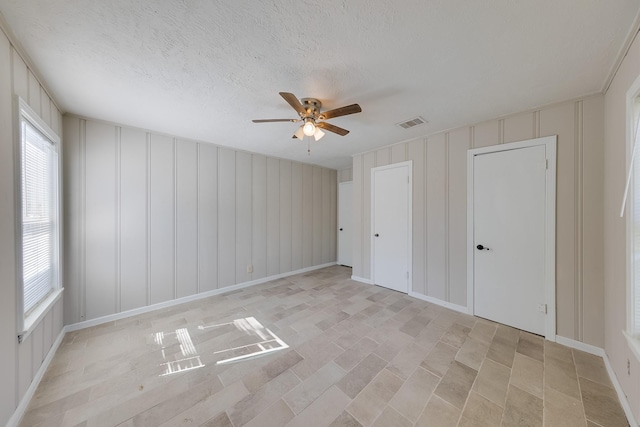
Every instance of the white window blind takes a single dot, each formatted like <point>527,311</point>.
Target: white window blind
<point>39,180</point>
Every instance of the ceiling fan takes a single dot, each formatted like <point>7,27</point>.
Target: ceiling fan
<point>309,111</point>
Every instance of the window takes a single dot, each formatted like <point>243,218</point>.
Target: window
<point>39,228</point>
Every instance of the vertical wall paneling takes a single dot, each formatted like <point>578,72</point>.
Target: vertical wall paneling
<point>56,119</point>
<point>226,217</point>
<point>296,216</point>
<point>20,75</point>
<point>593,221</point>
<point>399,153</point>
<point>383,156</point>
<point>162,219</point>
<point>327,231</point>
<point>133,219</point>
<point>100,233</point>
<point>307,216</point>
<point>486,134</point>
<point>8,358</point>
<point>58,318</point>
<point>436,217</point>
<point>37,349</point>
<point>332,229</point>
<point>243,216</point>
<point>357,250</point>
<point>118,222</point>
<point>259,220</point>
<point>72,203</point>
<point>317,215</point>
<point>416,151</point>
<point>34,92</point>
<point>45,107</point>
<point>285,216</point>
<point>273,216</point>
<point>186,218</point>
<point>208,217</point>
<point>560,120</point>
<point>345,175</point>
<point>459,143</point>
<point>579,292</point>
<point>47,333</point>
<point>25,365</point>
<point>368,162</point>
<point>518,127</point>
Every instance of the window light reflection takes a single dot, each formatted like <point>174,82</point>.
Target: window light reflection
<point>261,341</point>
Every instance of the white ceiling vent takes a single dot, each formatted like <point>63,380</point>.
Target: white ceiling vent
<point>411,122</point>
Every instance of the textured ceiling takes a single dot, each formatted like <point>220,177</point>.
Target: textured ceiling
<point>204,69</point>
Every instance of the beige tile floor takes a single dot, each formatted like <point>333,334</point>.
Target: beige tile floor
<point>318,350</point>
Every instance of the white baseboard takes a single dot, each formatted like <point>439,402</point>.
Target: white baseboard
<point>153,307</point>
<point>597,351</point>
<point>578,345</point>
<point>26,399</point>
<point>436,301</point>
<point>621,396</point>
<point>362,280</point>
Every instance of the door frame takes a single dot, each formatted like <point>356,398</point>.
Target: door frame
<point>341,184</point>
<point>550,224</point>
<point>409,165</point>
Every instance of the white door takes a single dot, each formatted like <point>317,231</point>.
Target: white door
<point>345,202</point>
<point>391,198</point>
<point>509,237</point>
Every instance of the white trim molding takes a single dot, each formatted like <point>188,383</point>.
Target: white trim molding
<point>362,280</point>
<point>549,142</point>
<point>579,345</point>
<point>441,303</point>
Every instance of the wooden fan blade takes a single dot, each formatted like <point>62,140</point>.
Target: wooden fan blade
<point>332,128</point>
<point>342,111</point>
<point>275,120</point>
<point>294,102</point>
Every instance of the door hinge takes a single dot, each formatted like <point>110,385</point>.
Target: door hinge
<point>407,275</point>
<point>542,308</point>
<point>407,179</point>
<point>544,165</point>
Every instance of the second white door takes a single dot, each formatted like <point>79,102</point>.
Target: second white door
<point>509,237</point>
<point>345,219</point>
<point>391,225</point>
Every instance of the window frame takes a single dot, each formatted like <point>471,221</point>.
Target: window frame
<point>27,322</point>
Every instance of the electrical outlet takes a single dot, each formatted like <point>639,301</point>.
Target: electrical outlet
<point>249,268</point>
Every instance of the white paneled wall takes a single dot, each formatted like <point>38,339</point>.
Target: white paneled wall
<point>154,218</point>
<point>345,175</point>
<point>19,363</point>
<point>440,208</point>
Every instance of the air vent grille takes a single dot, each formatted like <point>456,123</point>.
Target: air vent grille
<point>411,122</point>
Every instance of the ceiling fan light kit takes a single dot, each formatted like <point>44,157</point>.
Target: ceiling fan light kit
<point>309,111</point>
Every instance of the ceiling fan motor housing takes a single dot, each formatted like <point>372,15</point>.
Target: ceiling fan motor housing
<point>312,107</point>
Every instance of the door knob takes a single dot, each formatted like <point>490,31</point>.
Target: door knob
<point>377,235</point>
<point>480,247</point>
<point>341,229</point>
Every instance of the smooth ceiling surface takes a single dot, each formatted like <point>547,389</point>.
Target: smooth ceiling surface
<point>204,69</point>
